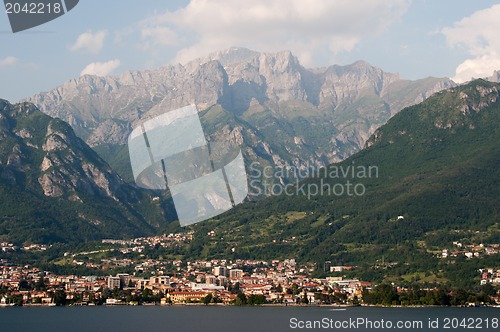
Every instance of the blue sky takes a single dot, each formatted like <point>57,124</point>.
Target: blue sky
<point>416,38</point>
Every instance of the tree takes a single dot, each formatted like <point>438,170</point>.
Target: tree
<point>16,299</point>
<point>241,299</point>
<point>234,289</point>
<point>40,284</point>
<point>386,294</point>
<point>488,289</point>
<point>106,293</point>
<point>279,288</point>
<point>59,297</point>
<point>304,299</point>
<point>157,298</point>
<point>256,299</point>
<point>24,285</point>
<point>77,298</point>
<point>147,295</point>
<point>207,299</point>
<point>295,289</point>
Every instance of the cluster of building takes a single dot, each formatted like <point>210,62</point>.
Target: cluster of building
<point>276,281</point>
<point>164,240</point>
<point>490,276</point>
<point>470,250</point>
<point>176,281</point>
<point>6,246</point>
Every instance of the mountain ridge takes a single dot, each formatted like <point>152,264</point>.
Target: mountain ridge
<point>255,94</point>
<point>54,188</point>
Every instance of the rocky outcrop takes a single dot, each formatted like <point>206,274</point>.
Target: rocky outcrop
<point>43,165</point>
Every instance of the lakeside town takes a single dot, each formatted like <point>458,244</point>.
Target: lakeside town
<point>163,281</point>
<point>280,282</point>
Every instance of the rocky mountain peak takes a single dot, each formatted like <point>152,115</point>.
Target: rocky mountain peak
<point>232,56</point>
<point>279,62</point>
<point>362,66</point>
<point>462,112</point>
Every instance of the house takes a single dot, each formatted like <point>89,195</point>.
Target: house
<point>226,297</point>
<point>112,301</point>
<point>235,273</point>
<point>181,297</point>
<point>113,282</point>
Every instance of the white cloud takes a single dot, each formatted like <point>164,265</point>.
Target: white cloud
<point>304,27</point>
<point>159,36</point>
<point>92,42</point>
<point>478,34</point>
<point>8,61</point>
<point>101,68</point>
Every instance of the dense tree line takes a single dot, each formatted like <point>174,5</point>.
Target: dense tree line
<point>388,295</point>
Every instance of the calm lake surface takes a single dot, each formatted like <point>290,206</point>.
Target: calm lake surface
<point>242,319</point>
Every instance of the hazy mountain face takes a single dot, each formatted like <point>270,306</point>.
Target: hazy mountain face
<point>283,114</point>
<point>54,187</point>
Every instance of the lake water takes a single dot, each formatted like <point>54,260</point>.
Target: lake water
<point>242,319</point>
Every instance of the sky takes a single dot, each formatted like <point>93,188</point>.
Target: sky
<point>415,38</point>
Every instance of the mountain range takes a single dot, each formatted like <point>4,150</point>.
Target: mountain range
<point>436,161</point>
<point>283,114</point>
<point>55,188</point>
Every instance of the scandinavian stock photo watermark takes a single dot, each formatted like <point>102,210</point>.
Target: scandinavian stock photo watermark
<point>370,324</point>
<point>170,151</point>
<point>335,180</point>
<point>206,178</point>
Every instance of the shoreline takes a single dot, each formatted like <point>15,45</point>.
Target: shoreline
<point>331,306</point>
